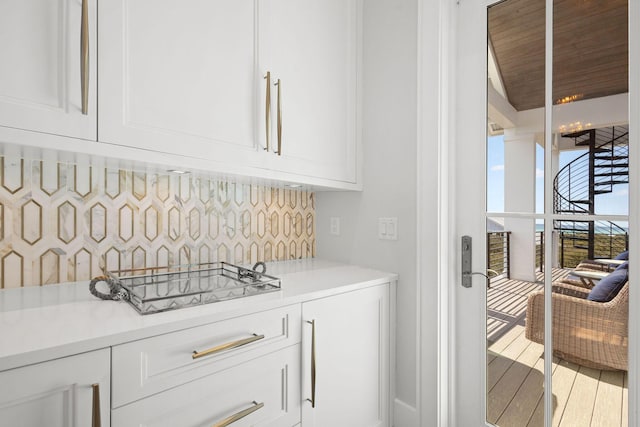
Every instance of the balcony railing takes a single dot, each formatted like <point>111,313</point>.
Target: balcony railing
<point>608,245</point>
<point>499,253</point>
<point>540,251</point>
<point>608,242</point>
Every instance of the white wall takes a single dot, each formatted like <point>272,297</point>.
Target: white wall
<point>389,171</point>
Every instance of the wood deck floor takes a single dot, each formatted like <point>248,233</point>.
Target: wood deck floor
<point>582,396</point>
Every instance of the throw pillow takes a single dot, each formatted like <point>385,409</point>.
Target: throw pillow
<point>608,287</point>
<point>623,256</point>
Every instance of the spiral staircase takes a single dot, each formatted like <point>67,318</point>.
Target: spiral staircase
<point>604,166</point>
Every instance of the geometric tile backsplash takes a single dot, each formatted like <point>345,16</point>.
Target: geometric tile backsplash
<point>62,222</point>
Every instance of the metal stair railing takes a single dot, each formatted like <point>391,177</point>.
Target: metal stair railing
<point>577,183</point>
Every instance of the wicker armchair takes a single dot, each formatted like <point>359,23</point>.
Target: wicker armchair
<point>591,265</point>
<point>588,264</point>
<point>566,281</point>
<point>592,334</point>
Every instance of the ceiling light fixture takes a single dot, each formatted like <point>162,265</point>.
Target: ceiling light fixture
<point>570,98</point>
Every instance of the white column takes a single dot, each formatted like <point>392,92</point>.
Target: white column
<point>520,196</point>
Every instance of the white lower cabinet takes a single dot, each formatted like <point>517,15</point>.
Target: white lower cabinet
<point>320,363</point>
<point>68,392</point>
<point>342,365</point>
<point>266,390</point>
<point>148,366</point>
<point>346,354</point>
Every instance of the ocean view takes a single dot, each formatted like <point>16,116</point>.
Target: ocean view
<point>600,229</point>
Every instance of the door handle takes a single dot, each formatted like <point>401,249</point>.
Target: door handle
<point>466,258</point>
<point>466,261</point>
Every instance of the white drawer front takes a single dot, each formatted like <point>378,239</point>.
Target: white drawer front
<point>272,380</point>
<point>145,367</point>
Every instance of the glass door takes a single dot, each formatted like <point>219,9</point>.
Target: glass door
<point>557,213</point>
<point>554,235</point>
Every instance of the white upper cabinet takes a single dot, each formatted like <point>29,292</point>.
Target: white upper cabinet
<point>180,77</point>
<point>189,78</point>
<point>311,49</point>
<point>45,48</point>
<point>184,83</point>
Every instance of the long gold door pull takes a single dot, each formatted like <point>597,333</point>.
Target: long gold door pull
<point>213,350</point>
<point>313,363</point>
<point>267,109</point>
<point>84,57</point>
<point>95,411</point>
<point>235,417</point>
<point>279,124</point>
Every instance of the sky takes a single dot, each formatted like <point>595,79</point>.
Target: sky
<point>615,203</point>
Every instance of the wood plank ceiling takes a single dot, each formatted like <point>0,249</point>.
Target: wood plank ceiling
<point>590,50</point>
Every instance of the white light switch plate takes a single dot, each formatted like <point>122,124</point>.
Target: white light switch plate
<point>388,228</point>
<point>335,226</point>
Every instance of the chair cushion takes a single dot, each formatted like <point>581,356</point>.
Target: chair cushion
<point>623,266</point>
<point>608,287</point>
<point>623,256</point>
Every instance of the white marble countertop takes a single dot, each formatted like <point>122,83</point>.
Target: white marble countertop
<point>43,323</point>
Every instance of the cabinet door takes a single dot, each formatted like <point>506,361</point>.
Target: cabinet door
<point>58,393</point>
<point>40,76</point>
<point>268,387</point>
<point>311,46</point>
<point>350,336</point>
<point>180,77</point>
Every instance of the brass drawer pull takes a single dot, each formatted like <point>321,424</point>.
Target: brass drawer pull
<point>235,417</point>
<point>84,57</point>
<point>95,410</point>
<point>217,349</point>
<point>267,109</point>
<point>279,123</point>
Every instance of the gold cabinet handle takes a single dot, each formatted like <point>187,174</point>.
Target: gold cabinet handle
<point>313,363</point>
<point>217,349</point>
<point>279,124</point>
<point>235,417</point>
<point>267,110</point>
<point>84,57</point>
<point>95,411</point>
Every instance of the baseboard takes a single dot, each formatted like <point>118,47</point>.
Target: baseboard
<point>404,415</point>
